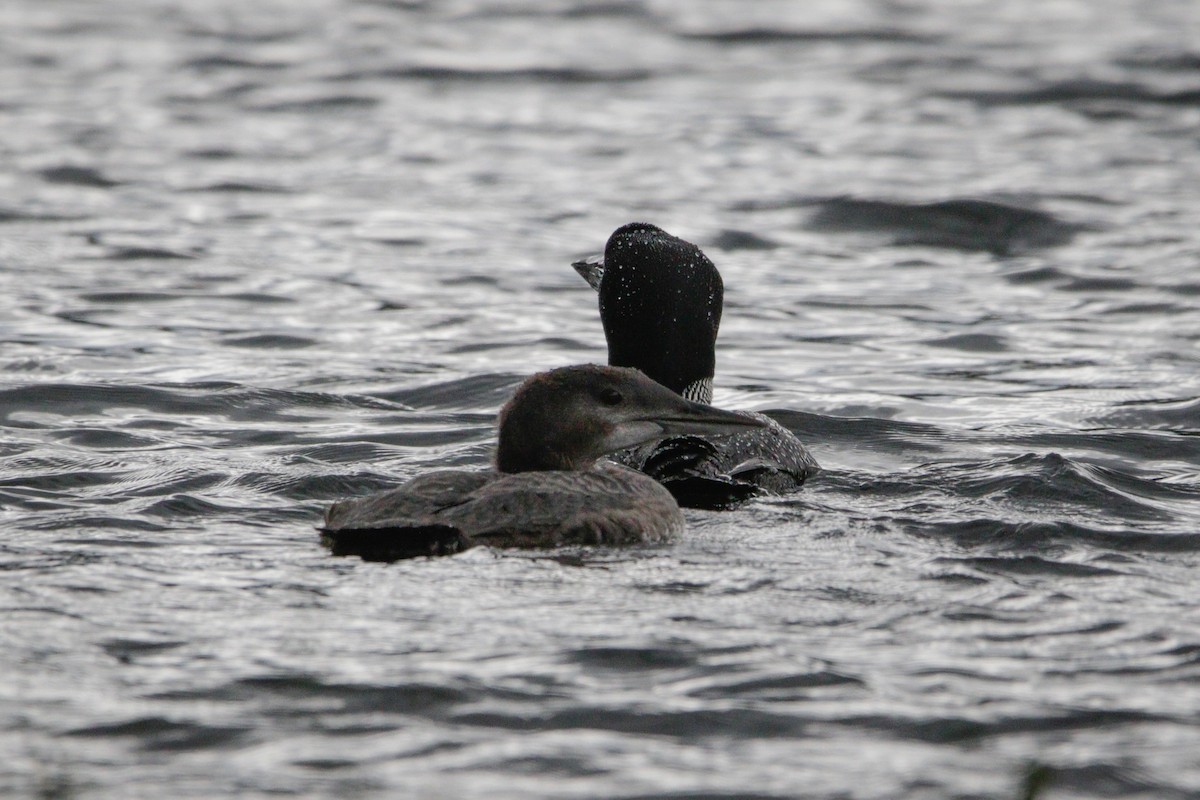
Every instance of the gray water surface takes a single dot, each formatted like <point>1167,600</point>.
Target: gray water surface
<point>259,256</point>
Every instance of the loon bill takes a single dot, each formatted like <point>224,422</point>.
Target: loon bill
<point>546,489</point>
<point>660,303</point>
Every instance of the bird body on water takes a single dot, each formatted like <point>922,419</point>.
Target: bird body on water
<point>547,489</point>
<point>661,300</point>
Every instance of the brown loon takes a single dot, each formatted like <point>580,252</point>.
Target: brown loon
<point>660,304</point>
<point>547,488</point>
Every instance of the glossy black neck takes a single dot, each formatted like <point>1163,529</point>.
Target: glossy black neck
<point>660,302</point>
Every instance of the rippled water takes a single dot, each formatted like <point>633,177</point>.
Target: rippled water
<point>258,256</point>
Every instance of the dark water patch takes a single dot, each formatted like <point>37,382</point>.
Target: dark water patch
<point>738,723</point>
<point>77,176</point>
<point>1149,309</point>
<point>713,794</point>
<point>270,341</point>
<point>187,506</point>
<point>765,35</point>
<point>157,483</point>
<point>960,224</point>
<point>1098,284</point>
<point>53,483</point>
<point>216,63</point>
<point>159,734</point>
<point>316,105</point>
<point>971,343</point>
<point>777,688</point>
<point>13,215</point>
<point>128,651</point>
<point>569,10</point>
<point>1166,61</point>
<point>730,239</point>
<point>256,297</point>
<point>397,241</point>
<point>405,698</point>
<point>135,253</point>
<point>303,695</point>
<point>537,75</point>
<point>1029,565</point>
<point>87,522</point>
<point>627,659</point>
<point>242,187</point>
<point>477,279</point>
<point>947,730</point>
<point>1175,443</point>
<point>1078,91</point>
<point>245,34</point>
<point>130,297</point>
<point>489,390</point>
<point>22,498</point>
<point>105,439</point>
<point>212,153</point>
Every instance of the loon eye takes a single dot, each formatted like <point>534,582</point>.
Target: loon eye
<point>610,396</point>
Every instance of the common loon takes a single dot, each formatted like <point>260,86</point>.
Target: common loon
<point>660,303</point>
<point>546,489</point>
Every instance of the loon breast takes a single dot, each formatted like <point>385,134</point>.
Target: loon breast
<point>719,471</point>
<point>449,511</point>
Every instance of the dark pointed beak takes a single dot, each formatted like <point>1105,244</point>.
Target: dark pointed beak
<point>696,418</point>
<point>591,270</point>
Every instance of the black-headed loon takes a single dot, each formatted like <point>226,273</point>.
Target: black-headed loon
<point>547,488</point>
<point>660,303</point>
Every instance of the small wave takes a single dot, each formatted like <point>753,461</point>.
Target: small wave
<point>475,391</point>
<point>742,240</point>
<point>162,734</point>
<point>764,35</point>
<point>625,659</point>
<point>11,215</point>
<point>534,74</point>
<point>340,102</point>
<point>222,62</point>
<point>274,341</point>
<point>215,399</point>
<point>1174,414</point>
<point>1179,61</point>
<point>1077,91</point>
<point>136,253</point>
<point>1007,534</point>
<point>972,343</point>
<point>243,187</point>
<point>963,224</point>
<point>1027,565</point>
<point>78,176</point>
<point>887,434</point>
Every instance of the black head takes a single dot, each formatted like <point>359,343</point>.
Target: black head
<point>567,418</point>
<point>660,303</point>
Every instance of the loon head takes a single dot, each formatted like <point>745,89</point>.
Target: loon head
<point>569,417</point>
<point>660,303</point>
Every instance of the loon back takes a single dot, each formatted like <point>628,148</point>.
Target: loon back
<point>449,511</point>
